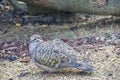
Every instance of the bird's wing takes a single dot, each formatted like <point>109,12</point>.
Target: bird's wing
<point>43,54</point>
<point>65,53</point>
<point>66,49</point>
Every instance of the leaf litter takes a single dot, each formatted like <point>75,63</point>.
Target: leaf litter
<point>104,55</point>
<point>101,51</point>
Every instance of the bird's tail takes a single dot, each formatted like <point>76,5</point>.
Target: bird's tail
<point>82,66</point>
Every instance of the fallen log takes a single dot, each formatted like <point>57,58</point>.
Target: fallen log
<point>99,7</point>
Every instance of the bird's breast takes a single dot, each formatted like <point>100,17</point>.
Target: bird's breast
<point>45,55</point>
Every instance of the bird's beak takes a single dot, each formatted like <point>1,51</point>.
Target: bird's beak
<point>29,42</point>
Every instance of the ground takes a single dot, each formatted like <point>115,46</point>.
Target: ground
<point>105,57</point>
<point>106,65</point>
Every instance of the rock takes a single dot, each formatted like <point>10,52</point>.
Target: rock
<point>18,24</point>
<point>5,45</point>
<point>110,73</point>
<point>11,58</point>
<point>1,55</point>
<point>44,25</point>
<point>10,78</point>
<point>102,38</point>
<point>25,59</point>
<point>24,73</point>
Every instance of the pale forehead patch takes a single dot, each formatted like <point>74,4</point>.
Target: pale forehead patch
<point>35,37</point>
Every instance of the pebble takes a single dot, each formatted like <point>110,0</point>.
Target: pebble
<point>44,25</point>
<point>5,45</point>
<point>11,79</point>
<point>102,38</point>
<point>24,73</point>
<point>12,58</point>
<point>1,55</point>
<point>25,59</point>
<point>18,24</point>
<point>110,74</point>
<point>90,39</point>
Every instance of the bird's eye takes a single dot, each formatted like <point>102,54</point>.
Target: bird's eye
<point>34,39</point>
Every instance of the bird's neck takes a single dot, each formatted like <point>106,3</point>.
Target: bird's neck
<point>33,45</point>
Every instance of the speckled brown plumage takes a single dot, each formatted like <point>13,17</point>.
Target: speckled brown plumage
<point>53,56</point>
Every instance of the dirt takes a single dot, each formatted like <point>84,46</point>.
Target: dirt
<point>105,60</point>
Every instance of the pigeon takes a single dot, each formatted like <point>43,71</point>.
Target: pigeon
<point>55,55</point>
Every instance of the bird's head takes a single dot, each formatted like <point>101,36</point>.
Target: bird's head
<point>35,40</point>
<point>35,37</point>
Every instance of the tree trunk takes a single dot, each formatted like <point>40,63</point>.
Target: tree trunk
<point>99,7</point>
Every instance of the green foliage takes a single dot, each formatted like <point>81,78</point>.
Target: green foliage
<point>97,30</point>
<point>111,30</point>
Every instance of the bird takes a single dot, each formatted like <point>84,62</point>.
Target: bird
<point>55,55</point>
<point>98,3</point>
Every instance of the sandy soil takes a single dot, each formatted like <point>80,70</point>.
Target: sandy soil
<point>105,60</point>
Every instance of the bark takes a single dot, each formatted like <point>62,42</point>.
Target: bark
<point>110,7</point>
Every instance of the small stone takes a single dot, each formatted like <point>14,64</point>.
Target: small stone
<point>110,74</point>
<point>107,56</point>
<point>113,37</point>
<point>22,74</point>
<point>9,53</point>
<point>12,58</point>
<point>18,24</point>
<point>7,7</point>
<point>102,38</point>
<point>11,79</point>
<point>5,31</point>
<point>113,59</point>
<point>1,55</point>
<point>87,39</point>
<point>93,40</point>
<point>25,59</point>
<point>97,38</point>
<point>65,40</point>
<point>5,45</point>
<point>23,55</point>
<point>44,25</point>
